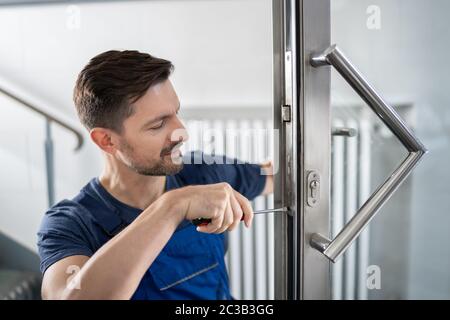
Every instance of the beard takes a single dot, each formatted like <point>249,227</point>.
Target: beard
<point>165,165</point>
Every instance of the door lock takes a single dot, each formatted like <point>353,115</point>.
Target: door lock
<point>313,188</point>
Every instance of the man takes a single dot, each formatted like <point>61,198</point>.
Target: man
<point>129,232</point>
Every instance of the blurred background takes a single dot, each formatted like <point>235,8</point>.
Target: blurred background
<point>223,56</point>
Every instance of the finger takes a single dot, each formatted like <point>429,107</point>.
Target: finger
<point>216,223</point>
<point>246,208</point>
<point>227,219</point>
<point>237,212</point>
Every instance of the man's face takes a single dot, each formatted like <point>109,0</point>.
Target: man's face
<point>152,135</point>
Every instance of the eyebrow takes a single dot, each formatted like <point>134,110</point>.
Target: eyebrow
<point>159,118</point>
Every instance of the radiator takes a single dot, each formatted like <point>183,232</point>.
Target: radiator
<point>248,136</point>
<point>350,188</point>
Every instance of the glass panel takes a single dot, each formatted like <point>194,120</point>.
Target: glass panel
<point>400,46</point>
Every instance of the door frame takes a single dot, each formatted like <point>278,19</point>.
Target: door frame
<point>302,117</point>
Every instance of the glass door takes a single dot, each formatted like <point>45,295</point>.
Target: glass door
<point>360,105</point>
<point>222,53</point>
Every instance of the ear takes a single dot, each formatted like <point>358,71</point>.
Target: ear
<point>104,139</point>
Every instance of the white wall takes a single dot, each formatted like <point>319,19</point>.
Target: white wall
<point>222,50</point>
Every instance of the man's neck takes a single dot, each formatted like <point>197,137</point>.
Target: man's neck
<point>130,187</point>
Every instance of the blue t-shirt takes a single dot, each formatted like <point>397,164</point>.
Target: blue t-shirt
<point>190,266</point>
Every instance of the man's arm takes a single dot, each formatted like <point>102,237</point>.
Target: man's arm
<point>116,269</point>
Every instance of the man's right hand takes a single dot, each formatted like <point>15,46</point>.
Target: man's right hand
<point>218,202</point>
<point>115,270</point>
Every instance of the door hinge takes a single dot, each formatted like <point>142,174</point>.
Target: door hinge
<point>286,113</point>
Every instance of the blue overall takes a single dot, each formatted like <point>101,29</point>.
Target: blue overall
<point>190,266</point>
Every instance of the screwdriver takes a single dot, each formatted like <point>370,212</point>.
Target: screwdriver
<point>205,221</point>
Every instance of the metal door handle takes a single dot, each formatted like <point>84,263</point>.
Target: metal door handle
<point>344,132</point>
<point>333,249</point>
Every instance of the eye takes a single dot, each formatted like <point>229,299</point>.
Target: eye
<point>158,126</point>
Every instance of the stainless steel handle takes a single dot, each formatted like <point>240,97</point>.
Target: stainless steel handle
<point>333,249</point>
<point>344,132</point>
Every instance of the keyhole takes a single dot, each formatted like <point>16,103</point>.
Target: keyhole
<point>314,185</point>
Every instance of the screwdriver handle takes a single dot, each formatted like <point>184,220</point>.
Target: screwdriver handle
<point>204,221</point>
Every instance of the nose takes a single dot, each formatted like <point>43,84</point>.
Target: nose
<point>180,133</point>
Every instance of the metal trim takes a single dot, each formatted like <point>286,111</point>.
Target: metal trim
<point>285,180</point>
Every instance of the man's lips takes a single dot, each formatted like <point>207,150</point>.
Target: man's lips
<point>173,150</point>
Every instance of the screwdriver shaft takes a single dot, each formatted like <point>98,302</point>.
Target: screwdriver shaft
<point>284,209</point>
<point>203,221</point>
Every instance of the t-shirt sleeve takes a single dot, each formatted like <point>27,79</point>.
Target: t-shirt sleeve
<point>246,178</point>
<point>61,235</point>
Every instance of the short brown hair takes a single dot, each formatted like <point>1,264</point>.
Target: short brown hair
<point>111,82</point>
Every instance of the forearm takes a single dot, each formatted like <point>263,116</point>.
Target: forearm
<point>116,269</point>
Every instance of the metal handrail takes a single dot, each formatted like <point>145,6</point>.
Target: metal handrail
<point>48,116</point>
